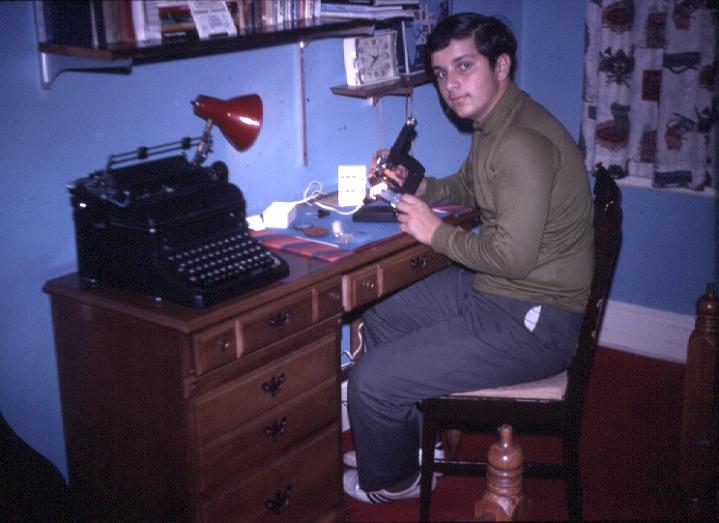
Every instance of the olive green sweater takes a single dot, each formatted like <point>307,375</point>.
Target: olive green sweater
<point>526,175</point>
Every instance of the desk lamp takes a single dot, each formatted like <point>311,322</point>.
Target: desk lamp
<point>239,119</point>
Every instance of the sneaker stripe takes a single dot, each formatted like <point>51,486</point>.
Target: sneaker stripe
<point>376,497</point>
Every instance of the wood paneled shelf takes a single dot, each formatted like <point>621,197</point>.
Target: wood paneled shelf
<point>373,92</point>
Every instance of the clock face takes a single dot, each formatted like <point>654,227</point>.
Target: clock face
<point>377,58</point>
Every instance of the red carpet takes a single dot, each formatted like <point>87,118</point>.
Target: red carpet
<point>629,453</point>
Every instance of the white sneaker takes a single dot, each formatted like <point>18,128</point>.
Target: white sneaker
<point>350,482</point>
<point>349,458</point>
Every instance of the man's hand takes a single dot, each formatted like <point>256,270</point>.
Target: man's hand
<point>398,174</point>
<point>417,219</point>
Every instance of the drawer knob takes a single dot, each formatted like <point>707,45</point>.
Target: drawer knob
<point>276,430</point>
<point>274,385</point>
<point>223,345</point>
<point>368,284</point>
<point>420,262</point>
<point>279,320</point>
<point>334,295</point>
<point>278,504</point>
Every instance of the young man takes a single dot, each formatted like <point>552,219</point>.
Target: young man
<point>509,310</point>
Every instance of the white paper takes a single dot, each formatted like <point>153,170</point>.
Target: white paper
<point>212,18</point>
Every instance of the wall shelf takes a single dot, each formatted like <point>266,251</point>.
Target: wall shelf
<point>56,58</point>
<point>373,92</point>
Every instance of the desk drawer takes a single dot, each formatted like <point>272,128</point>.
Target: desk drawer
<point>328,299</point>
<point>227,407</point>
<point>221,344</point>
<point>260,441</point>
<point>360,287</point>
<point>302,485</point>
<point>215,347</point>
<point>270,323</point>
<point>403,269</point>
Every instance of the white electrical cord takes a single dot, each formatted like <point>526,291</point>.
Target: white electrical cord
<point>314,191</point>
<point>352,354</point>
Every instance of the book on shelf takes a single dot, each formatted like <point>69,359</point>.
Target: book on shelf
<point>258,14</point>
<point>165,20</point>
<point>104,23</point>
<point>139,23</point>
<point>68,23</point>
<point>89,23</point>
<point>94,23</point>
<point>111,22</point>
<point>119,26</point>
<point>179,20</point>
<point>375,3</point>
<point>176,22</point>
<point>413,34</point>
<point>97,24</point>
<point>365,11</point>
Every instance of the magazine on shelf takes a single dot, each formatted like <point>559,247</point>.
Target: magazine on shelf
<point>413,34</point>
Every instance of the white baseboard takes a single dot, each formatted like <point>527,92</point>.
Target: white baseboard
<point>648,332</point>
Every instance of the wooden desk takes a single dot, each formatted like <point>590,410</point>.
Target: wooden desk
<point>229,413</point>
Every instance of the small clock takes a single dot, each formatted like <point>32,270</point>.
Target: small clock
<point>371,59</point>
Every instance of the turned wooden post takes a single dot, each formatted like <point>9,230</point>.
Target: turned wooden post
<point>504,498</point>
<point>699,452</point>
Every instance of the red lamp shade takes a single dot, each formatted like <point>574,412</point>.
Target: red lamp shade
<point>239,119</point>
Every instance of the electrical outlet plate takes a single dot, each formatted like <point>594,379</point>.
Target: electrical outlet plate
<point>351,185</point>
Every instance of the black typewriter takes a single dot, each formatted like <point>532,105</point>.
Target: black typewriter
<point>170,229</point>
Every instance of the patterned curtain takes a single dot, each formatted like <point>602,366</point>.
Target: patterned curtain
<point>650,97</point>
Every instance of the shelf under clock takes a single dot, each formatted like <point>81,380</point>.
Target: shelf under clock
<point>402,86</point>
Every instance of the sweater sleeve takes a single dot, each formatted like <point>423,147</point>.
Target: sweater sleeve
<point>455,189</point>
<point>510,236</point>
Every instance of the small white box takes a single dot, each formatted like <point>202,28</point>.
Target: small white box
<point>351,185</point>
<point>255,222</point>
<point>279,215</point>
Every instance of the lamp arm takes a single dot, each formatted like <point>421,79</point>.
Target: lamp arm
<point>204,147</point>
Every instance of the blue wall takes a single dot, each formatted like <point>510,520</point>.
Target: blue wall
<point>51,137</point>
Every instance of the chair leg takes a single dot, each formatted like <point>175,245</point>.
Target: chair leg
<point>572,476</point>
<point>452,438</point>
<point>429,437</point>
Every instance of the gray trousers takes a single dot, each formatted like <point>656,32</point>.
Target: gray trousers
<point>440,336</point>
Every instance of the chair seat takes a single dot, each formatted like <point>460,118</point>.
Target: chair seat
<point>551,388</point>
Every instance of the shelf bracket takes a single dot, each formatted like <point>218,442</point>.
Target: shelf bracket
<point>302,100</point>
<point>52,65</point>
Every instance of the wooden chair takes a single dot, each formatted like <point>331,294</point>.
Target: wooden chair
<point>549,407</point>
<point>699,443</point>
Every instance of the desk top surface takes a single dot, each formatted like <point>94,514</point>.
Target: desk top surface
<point>304,272</point>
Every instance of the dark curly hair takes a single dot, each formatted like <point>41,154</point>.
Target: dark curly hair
<point>492,37</point>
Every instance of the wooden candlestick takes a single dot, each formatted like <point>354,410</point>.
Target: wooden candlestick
<point>504,498</point>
